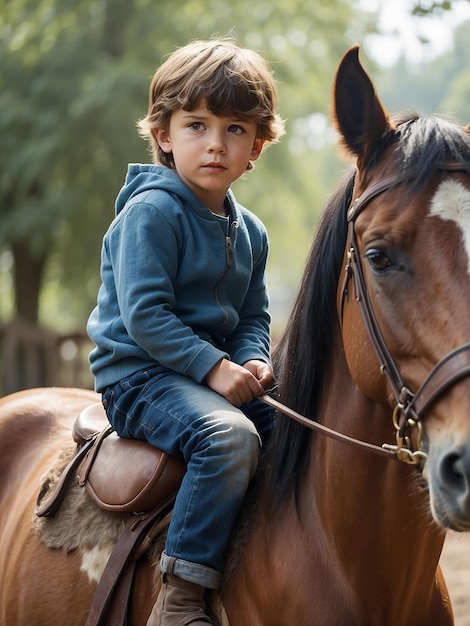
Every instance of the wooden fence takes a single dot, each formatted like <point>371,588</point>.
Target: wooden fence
<point>35,357</point>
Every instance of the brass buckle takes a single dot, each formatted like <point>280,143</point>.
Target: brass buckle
<point>403,449</point>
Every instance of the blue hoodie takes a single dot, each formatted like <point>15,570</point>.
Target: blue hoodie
<point>181,286</point>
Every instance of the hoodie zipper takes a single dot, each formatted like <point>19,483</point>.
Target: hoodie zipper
<point>229,253</point>
<point>228,243</point>
<point>229,250</point>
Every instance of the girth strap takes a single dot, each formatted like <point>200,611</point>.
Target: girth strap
<point>111,599</point>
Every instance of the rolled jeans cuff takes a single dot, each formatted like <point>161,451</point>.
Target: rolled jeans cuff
<point>192,572</point>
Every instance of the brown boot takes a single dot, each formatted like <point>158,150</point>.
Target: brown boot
<point>179,603</point>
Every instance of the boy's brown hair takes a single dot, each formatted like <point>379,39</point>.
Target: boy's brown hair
<point>229,79</point>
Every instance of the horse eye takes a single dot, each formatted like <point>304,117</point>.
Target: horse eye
<point>378,259</point>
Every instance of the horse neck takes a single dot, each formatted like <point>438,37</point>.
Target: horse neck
<point>372,511</point>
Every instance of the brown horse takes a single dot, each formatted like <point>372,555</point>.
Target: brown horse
<point>376,348</point>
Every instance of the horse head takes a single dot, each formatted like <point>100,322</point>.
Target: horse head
<point>404,299</point>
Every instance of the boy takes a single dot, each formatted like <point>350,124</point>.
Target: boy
<point>181,326</point>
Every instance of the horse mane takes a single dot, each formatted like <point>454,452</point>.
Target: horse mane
<point>300,358</point>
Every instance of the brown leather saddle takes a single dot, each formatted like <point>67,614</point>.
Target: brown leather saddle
<point>119,474</point>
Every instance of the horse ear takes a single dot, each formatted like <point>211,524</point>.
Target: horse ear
<point>357,112</point>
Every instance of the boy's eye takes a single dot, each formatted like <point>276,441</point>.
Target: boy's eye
<point>236,129</point>
<point>196,125</point>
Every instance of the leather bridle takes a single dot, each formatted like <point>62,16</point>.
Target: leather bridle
<point>409,407</point>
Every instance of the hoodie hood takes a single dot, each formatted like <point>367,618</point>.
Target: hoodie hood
<point>141,178</point>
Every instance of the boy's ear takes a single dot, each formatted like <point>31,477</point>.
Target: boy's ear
<point>163,138</point>
<point>257,148</point>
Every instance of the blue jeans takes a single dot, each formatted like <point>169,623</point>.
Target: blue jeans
<point>220,445</point>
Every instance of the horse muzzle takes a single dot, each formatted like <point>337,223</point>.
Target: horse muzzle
<point>447,472</point>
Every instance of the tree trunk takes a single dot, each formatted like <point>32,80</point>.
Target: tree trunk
<point>28,274</point>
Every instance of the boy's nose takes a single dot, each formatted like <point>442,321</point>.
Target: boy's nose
<point>216,143</point>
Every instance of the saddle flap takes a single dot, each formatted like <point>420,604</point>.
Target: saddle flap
<point>130,475</point>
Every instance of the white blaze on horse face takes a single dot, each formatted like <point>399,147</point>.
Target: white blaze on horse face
<point>452,202</point>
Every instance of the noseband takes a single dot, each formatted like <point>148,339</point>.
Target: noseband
<point>409,407</point>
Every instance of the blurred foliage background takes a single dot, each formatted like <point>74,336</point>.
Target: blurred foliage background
<point>74,80</point>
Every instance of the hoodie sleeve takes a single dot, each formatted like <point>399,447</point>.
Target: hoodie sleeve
<point>143,248</point>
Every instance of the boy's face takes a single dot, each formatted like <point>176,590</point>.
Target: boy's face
<point>210,152</point>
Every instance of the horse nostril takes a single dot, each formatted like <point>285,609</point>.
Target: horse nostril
<point>455,470</point>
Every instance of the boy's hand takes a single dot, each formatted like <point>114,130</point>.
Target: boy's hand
<point>239,384</point>
<point>262,372</point>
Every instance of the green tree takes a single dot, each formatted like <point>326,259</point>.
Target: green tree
<point>50,96</point>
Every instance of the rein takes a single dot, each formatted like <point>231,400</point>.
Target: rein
<point>312,425</point>
<point>408,406</point>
